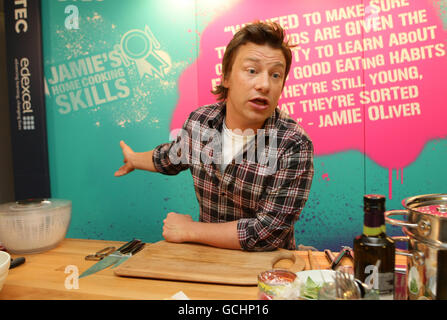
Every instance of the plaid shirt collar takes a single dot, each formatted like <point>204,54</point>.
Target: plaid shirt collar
<point>218,115</point>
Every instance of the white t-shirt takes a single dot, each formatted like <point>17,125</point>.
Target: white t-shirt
<point>232,144</point>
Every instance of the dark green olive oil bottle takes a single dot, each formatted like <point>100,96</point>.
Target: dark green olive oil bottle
<point>374,251</point>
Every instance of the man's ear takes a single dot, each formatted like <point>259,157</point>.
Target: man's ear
<point>225,83</point>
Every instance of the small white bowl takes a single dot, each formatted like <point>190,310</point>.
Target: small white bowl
<point>5,261</point>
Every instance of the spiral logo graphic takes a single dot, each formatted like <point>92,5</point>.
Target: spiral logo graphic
<point>136,44</point>
<point>143,48</point>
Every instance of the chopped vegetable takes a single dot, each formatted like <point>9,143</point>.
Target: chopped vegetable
<point>414,286</point>
<point>310,289</point>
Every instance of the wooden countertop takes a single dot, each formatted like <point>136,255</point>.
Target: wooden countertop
<point>51,276</point>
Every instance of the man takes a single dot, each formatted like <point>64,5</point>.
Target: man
<point>245,202</point>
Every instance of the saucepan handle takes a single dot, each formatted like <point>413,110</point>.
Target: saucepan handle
<point>401,251</point>
<point>396,222</point>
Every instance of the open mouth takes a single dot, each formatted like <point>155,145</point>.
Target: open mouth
<point>260,102</point>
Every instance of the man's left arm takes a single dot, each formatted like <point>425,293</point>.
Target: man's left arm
<point>181,228</point>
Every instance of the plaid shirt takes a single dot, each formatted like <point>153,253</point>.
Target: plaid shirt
<point>265,187</point>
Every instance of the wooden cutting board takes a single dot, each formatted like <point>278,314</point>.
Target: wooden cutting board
<point>201,263</point>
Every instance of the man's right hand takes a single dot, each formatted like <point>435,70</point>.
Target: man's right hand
<point>128,166</point>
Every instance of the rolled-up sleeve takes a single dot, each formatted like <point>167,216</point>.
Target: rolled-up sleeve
<point>279,208</point>
<point>173,157</point>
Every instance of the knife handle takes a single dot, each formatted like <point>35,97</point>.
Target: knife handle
<point>133,244</point>
<point>126,245</point>
<point>138,248</point>
<point>16,262</point>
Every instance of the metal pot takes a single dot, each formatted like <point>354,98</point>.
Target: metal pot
<point>425,232</point>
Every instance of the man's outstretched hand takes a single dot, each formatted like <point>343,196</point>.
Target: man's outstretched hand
<point>128,166</point>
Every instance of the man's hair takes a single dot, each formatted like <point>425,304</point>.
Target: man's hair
<point>261,33</point>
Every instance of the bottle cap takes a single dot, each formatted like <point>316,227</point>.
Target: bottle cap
<point>374,202</point>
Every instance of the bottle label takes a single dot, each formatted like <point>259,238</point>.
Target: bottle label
<point>374,223</point>
<point>372,231</point>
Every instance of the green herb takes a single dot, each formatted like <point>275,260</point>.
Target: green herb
<point>413,286</point>
<point>310,289</point>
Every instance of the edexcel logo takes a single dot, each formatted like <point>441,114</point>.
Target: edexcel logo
<point>24,98</point>
<point>28,123</point>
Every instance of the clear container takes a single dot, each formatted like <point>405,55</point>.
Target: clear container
<point>278,284</point>
<point>34,225</point>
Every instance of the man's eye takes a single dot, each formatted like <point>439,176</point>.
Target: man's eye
<point>277,75</point>
<point>251,70</point>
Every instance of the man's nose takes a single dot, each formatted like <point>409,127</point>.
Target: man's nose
<point>263,82</point>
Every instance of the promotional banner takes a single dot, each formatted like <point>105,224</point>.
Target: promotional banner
<point>365,76</point>
<point>365,84</point>
<point>26,99</point>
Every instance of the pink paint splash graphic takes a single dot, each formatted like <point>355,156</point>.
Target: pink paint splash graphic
<point>390,131</point>
<point>390,180</point>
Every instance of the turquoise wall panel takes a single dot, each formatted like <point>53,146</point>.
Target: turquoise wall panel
<point>132,70</point>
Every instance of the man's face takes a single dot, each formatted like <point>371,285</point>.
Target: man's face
<point>254,85</point>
